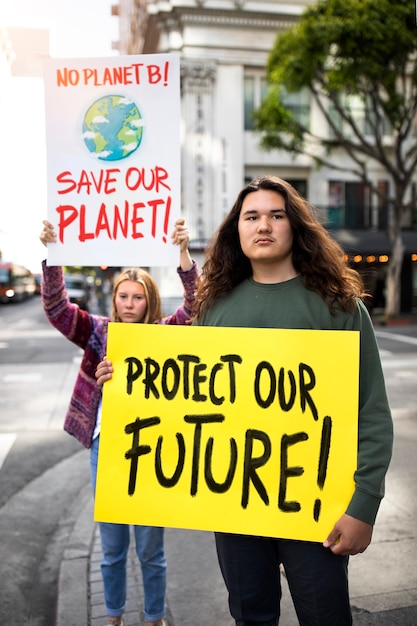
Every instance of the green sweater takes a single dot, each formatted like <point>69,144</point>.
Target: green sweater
<point>290,305</point>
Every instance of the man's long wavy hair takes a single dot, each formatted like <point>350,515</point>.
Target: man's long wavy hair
<point>315,254</point>
<point>153,299</point>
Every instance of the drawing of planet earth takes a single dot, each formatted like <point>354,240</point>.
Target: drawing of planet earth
<point>112,128</point>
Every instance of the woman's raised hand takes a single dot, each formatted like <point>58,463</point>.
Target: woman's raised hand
<point>48,235</point>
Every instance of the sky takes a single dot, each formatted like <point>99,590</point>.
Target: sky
<point>78,28</point>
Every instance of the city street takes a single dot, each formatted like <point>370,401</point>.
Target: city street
<point>44,488</point>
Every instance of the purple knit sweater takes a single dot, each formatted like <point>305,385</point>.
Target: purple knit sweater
<point>89,332</point>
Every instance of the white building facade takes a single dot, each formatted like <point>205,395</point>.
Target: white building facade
<point>224,46</point>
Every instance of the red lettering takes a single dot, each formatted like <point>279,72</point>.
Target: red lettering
<point>62,77</point>
<point>136,68</point>
<point>103,182</point>
<point>84,181</point>
<point>63,221</point>
<point>137,220</point>
<point>67,77</point>
<point>83,236</point>
<point>113,222</point>
<point>102,222</point>
<point>154,204</point>
<point>97,183</point>
<point>107,76</point>
<point>109,180</point>
<point>118,75</point>
<point>130,173</point>
<point>154,74</point>
<point>88,73</point>
<point>135,177</point>
<point>62,178</point>
<point>161,175</point>
<point>127,75</point>
<point>166,219</point>
<point>117,223</point>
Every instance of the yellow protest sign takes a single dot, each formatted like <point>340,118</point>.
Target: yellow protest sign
<point>238,430</point>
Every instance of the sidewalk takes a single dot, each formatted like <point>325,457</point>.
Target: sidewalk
<point>81,600</point>
<point>383,580</point>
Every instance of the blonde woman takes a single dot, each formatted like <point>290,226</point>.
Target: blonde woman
<point>135,299</point>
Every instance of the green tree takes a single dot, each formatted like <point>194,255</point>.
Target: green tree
<point>344,51</point>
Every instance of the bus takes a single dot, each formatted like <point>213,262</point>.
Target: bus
<point>16,282</point>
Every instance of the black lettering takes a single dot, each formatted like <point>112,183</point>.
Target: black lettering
<point>264,365</point>
<point>199,378</point>
<point>170,365</point>
<point>151,373</point>
<point>163,480</point>
<point>132,374</point>
<point>187,359</point>
<point>137,450</point>
<point>199,420</point>
<point>217,400</point>
<point>287,472</point>
<point>326,435</point>
<point>251,464</point>
<point>305,387</point>
<point>231,359</point>
<point>214,486</point>
<point>286,406</point>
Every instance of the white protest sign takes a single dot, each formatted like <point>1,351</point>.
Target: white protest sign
<point>113,151</point>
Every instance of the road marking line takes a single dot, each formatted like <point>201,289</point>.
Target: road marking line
<point>29,334</point>
<point>402,364</point>
<point>22,378</point>
<point>394,337</point>
<point>384,353</point>
<point>6,442</point>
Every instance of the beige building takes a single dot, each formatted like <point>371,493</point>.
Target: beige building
<point>223,46</point>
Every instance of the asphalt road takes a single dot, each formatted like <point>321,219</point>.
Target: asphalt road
<point>43,471</point>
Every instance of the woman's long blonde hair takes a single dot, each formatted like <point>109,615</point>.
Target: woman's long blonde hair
<point>153,299</point>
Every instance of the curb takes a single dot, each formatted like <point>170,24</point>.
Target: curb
<point>73,591</point>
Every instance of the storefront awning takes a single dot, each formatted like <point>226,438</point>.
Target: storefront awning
<point>372,241</point>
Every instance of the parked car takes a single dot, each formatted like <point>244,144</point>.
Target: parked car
<point>38,283</point>
<point>16,282</point>
<point>77,289</point>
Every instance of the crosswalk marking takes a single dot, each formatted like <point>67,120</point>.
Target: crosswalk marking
<point>28,377</point>
<point>6,442</point>
<point>401,338</point>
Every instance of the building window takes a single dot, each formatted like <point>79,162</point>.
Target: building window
<point>299,105</point>
<point>300,184</point>
<point>349,205</point>
<point>364,117</point>
<point>255,90</point>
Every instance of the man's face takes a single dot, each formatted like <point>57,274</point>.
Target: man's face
<point>264,228</point>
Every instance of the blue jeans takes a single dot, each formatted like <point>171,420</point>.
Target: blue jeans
<point>150,550</point>
<point>316,577</point>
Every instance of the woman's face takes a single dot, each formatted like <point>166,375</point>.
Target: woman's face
<point>130,302</point>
